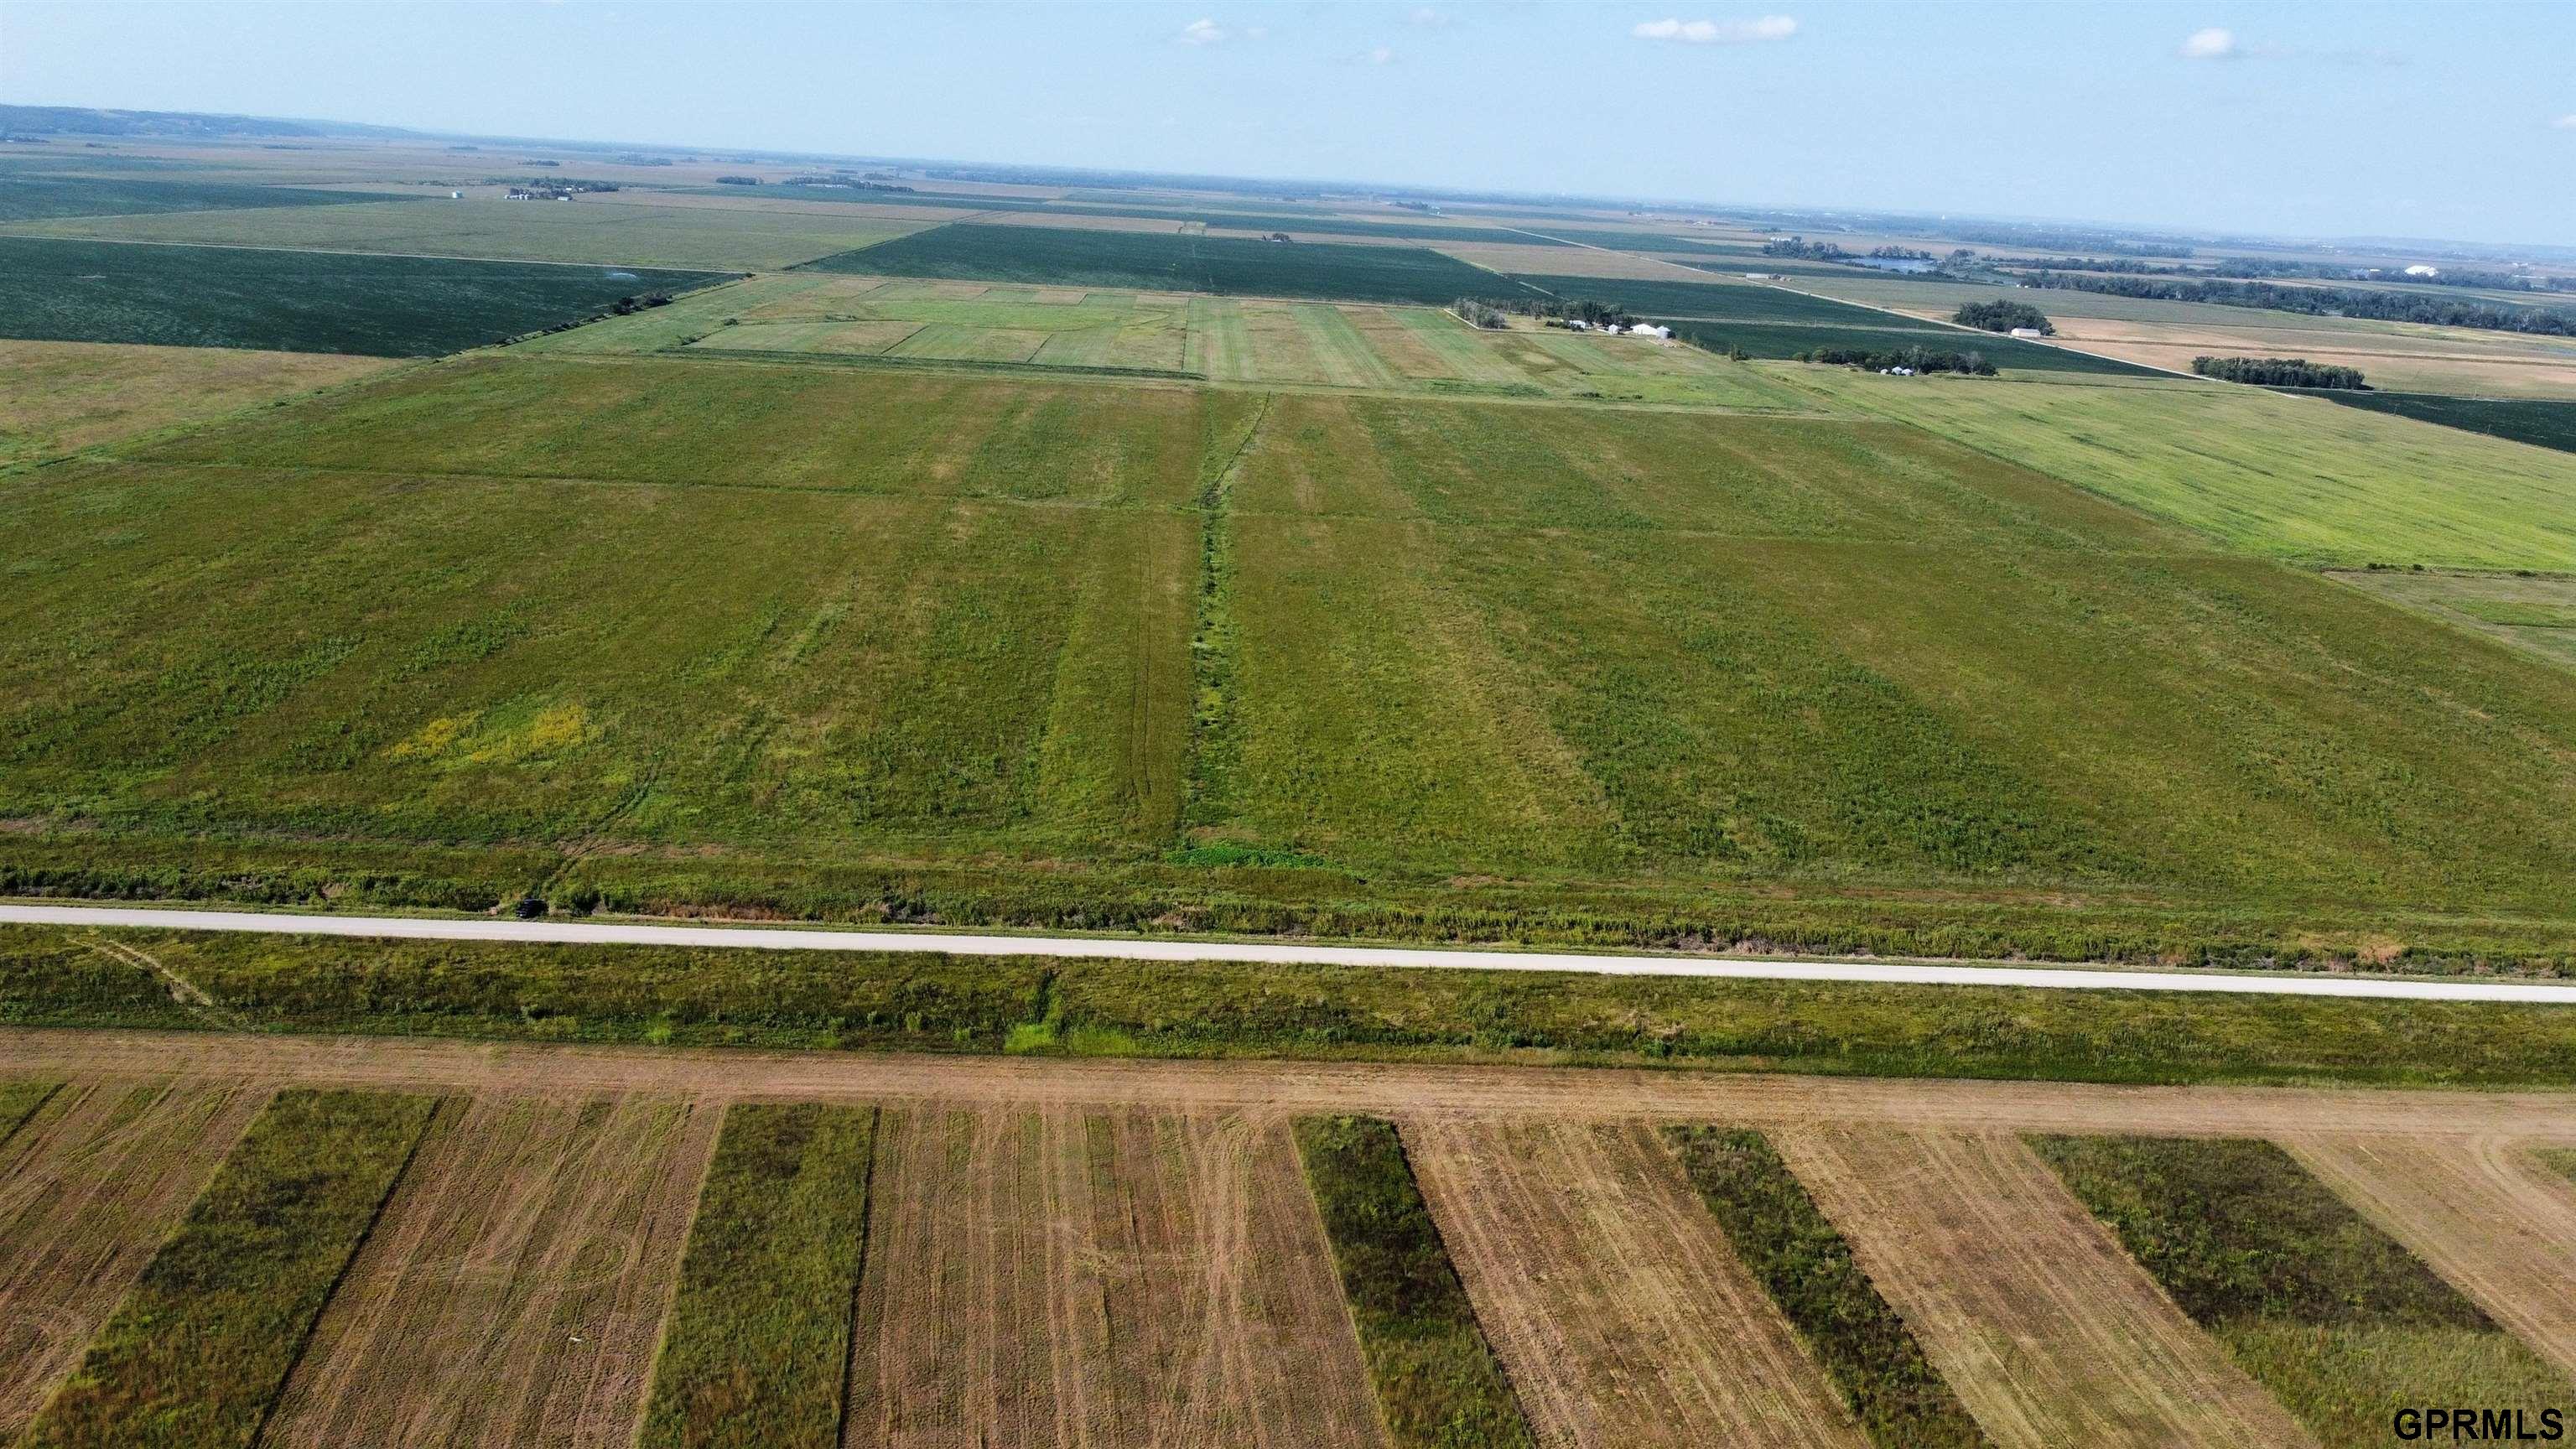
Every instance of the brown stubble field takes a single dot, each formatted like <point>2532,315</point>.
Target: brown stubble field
<point>1610,1294</point>
<point>1127,1253</point>
<point>1062,1276</point>
<point>2043,1325</point>
<point>513,1292</point>
<point>89,1186</point>
<point>2484,1211</point>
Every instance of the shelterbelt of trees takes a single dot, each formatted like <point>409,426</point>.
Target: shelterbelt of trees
<point>2278,372</point>
<point>2003,316</point>
<point>2378,306</point>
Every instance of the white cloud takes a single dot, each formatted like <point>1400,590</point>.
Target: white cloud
<point>2566,122</point>
<point>1380,56</point>
<point>1428,16</point>
<point>2214,43</point>
<point>1718,32</point>
<point>1202,32</point>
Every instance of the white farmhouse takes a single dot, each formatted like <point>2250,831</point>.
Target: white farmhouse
<point>2421,270</point>
<point>1648,329</point>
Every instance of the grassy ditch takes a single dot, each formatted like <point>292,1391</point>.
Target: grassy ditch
<point>759,1333</point>
<point>2332,1316</point>
<point>1802,1261</point>
<point>835,1000</point>
<point>1437,1380</point>
<point>198,1351</point>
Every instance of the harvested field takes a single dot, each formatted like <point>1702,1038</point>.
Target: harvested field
<point>1806,1266</point>
<point>1126,1278</point>
<point>2036,1317</point>
<point>89,1184</point>
<point>196,1354</point>
<point>56,397</point>
<point>2499,1225</point>
<point>1611,1295</point>
<point>1437,1382</point>
<point>514,1291</point>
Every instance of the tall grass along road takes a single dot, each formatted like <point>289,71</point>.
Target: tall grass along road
<point>1130,949</point>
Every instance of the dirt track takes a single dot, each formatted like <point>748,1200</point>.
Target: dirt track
<point>2532,1118</point>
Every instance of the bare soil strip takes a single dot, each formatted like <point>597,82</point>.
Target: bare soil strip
<point>2042,1324</point>
<point>1611,1295</point>
<point>514,1291</point>
<point>1083,1278</point>
<point>89,1187</point>
<point>1761,1101</point>
<point>2488,1216</point>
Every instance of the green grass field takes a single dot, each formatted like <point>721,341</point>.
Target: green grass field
<point>2534,612</point>
<point>1803,1262</point>
<point>753,1352</point>
<point>37,198</point>
<point>2542,422</point>
<point>842,1001</point>
<point>2262,473</point>
<point>695,238</point>
<point>1153,261</point>
<point>1552,669</point>
<point>2334,1317</point>
<point>80,291</point>
<point>201,1346</point>
<point>1437,1381</point>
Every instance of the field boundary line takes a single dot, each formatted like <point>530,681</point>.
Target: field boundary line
<point>771,938</point>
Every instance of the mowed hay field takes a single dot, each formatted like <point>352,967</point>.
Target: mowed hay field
<point>56,397</point>
<point>708,238</point>
<point>817,317</point>
<point>753,636</point>
<point>469,1247</point>
<point>2284,477</point>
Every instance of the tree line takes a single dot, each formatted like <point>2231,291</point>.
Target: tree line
<point>1918,359</point>
<point>2002,316</point>
<point>2279,372</point>
<point>2376,306</point>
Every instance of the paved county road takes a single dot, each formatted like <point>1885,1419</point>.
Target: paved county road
<point>638,933</point>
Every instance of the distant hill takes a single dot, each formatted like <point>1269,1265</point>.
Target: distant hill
<point>96,121</point>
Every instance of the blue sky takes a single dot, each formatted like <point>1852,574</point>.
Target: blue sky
<point>2426,119</point>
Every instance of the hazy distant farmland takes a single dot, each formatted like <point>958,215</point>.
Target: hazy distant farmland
<point>26,198</point>
<point>611,233</point>
<point>80,291</point>
<point>1154,262</point>
<point>1776,322</point>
